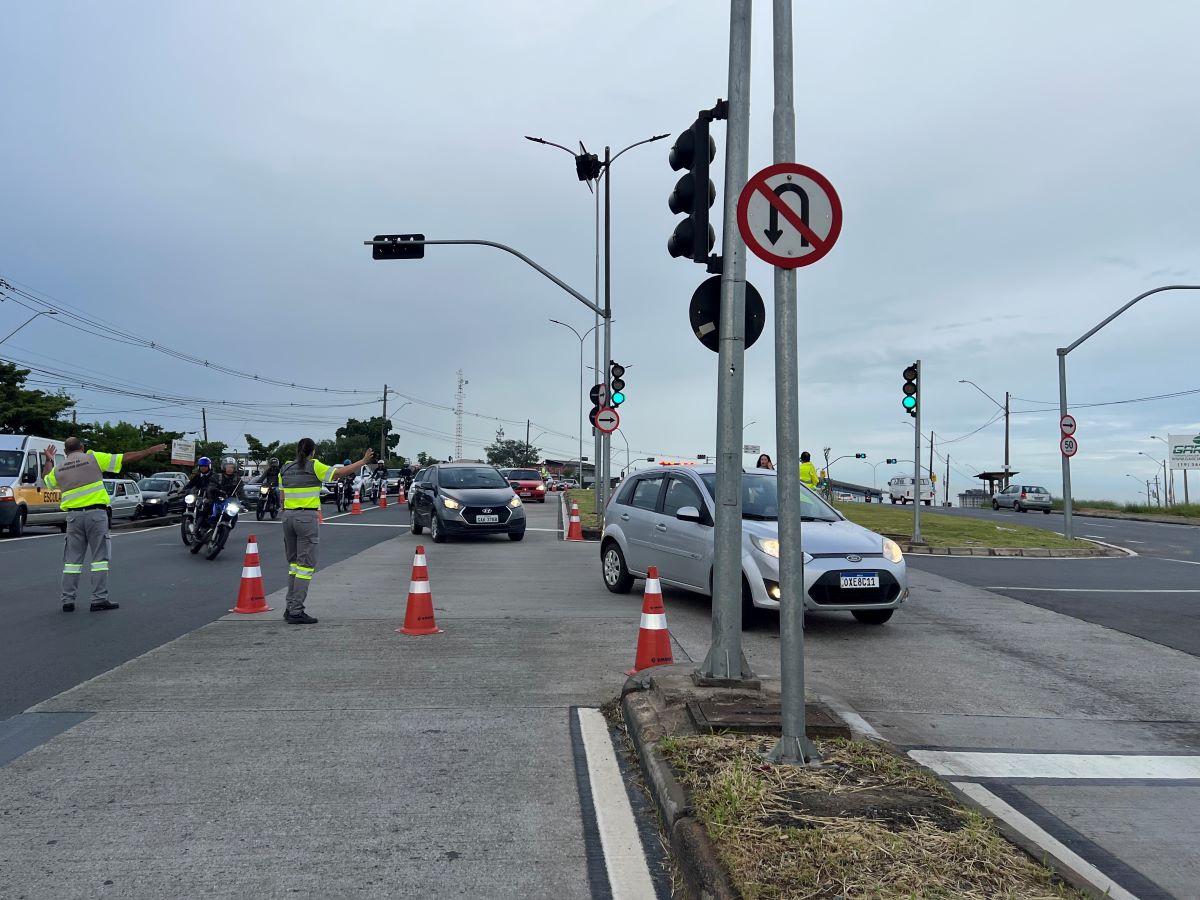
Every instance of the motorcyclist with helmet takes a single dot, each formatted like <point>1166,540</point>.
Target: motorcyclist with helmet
<point>346,484</point>
<point>214,486</point>
<point>270,480</point>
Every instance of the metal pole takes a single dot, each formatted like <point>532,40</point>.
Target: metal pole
<point>596,361</point>
<point>1166,489</point>
<point>947,482</point>
<point>725,662</point>
<point>1006,416</point>
<point>1068,525</point>
<point>794,745</point>
<point>916,535</point>
<point>204,423</point>
<point>383,430</point>
<point>931,487</point>
<point>605,439</point>
<point>580,472</point>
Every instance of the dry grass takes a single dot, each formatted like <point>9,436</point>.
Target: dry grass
<point>866,824</point>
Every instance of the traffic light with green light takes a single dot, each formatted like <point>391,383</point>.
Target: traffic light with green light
<point>860,456</point>
<point>616,393</point>
<point>891,462</point>
<point>911,386</point>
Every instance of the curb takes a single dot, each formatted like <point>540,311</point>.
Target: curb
<point>1134,517</point>
<point>1029,552</point>
<point>703,875</point>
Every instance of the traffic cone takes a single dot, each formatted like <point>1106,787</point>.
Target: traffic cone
<point>383,498</point>
<point>400,498</point>
<point>320,518</point>
<point>654,640</point>
<point>575,530</point>
<point>356,507</point>
<point>418,617</point>
<point>252,598</point>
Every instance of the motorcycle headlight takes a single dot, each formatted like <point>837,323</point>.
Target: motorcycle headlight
<point>892,551</point>
<point>515,501</point>
<point>190,498</point>
<point>232,508</point>
<point>262,490</point>
<point>769,546</point>
<point>451,503</point>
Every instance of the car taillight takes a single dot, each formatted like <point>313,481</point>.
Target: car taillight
<point>1022,495</point>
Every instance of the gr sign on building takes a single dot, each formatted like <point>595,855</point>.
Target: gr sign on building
<point>1185,451</point>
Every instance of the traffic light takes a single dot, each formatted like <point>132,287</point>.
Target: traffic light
<point>860,456</point>
<point>891,462</point>
<point>399,246</point>
<point>616,393</point>
<point>911,384</point>
<point>694,193</point>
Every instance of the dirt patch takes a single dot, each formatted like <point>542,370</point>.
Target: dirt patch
<point>895,810</point>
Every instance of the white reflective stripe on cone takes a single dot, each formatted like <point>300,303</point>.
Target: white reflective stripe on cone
<point>654,621</point>
<point>419,560</point>
<point>252,547</point>
<point>252,572</point>
<point>653,586</point>
<point>418,587</point>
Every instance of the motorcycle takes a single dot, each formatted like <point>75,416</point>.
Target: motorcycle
<point>215,534</point>
<point>268,503</point>
<point>187,525</point>
<point>344,497</point>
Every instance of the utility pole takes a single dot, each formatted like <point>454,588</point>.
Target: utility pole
<point>526,435</point>
<point>383,430</point>
<point>1186,498</point>
<point>947,482</point>
<point>75,422</point>
<point>725,663</point>
<point>1006,413</point>
<point>916,535</point>
<point>459,396</point>
<point>1157,493</point>
<point>204,423</point>
<point>931,487</point>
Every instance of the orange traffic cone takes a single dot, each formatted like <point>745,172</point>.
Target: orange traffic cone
<point>400,498</point>
<point>418,617</point>
<point>356,507</point>
<point>575,530</point>
<point>320,518</point>
<point>383,498</point>
<point>252,598</point>
<point>654,640</point>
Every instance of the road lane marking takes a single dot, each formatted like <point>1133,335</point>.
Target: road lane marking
<point>1054,590</point>
<point>366,524</point>
<point>1186,562</point>
<point>58,534</point>
<point>624,857</point>
<point>1128,541</point>
<point>986,764</point>
<point>1040,837</point>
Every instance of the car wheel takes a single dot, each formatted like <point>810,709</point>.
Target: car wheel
<point>437,532</point>
<point>259,512</point>
<point>1046,512</point>
<point>616,574</point>
<point>414,526</point>
<point>752,616</point>
<point>927,502</point>
<point>516,535</point>
<point>543,500</point>
<point>17,528</point>
<point>996,505</point>
<point>1017,506</point>
<point>873,616</point>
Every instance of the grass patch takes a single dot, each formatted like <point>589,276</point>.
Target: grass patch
<point>1186,510</point>
<point>867,823</point>
<point>586,498</point>
<point>955,531</point>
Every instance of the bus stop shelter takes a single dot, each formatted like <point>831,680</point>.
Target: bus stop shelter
<point>996,478</point>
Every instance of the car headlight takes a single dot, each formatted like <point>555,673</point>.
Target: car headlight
<point>515,501</point>
<point>541,487</point>
<point>892,551</point>
<point>769,546</point>
<point>190,498</point>
<point>6,491</point>
<point>232,508</point>
<point>451,503</point>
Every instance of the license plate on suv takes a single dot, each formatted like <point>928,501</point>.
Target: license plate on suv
<point>860,580</point>
<point>487,520</point>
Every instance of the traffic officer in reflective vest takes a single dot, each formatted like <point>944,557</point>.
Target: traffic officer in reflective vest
<point>808,472</point>
<point>85,500</point>
<point>300,481</point>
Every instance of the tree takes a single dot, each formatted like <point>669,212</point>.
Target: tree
<point>30,411</point>
<point>122,437</point>
<point>353,438</point>
<point>510,453</point>
<point>424,459</point>
<point>258,450</point>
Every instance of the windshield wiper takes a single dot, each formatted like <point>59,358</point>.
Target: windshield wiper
<point>758,517</point>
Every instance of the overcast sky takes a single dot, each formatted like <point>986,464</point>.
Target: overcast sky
<point>203,175</point>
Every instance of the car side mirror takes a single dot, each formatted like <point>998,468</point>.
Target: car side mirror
<point>689,514</point>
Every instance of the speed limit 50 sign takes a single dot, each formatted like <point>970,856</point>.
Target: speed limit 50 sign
<point>1069,446</point>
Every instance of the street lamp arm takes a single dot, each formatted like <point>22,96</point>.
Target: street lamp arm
<point>565,325</point>
<point>1063,351</point>
<point>518,254</point>
<point>44,312</point>
<point>981,390</point>
<point>538,140</point>
<point>657,137</point>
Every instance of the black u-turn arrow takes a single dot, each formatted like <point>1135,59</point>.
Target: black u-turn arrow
<point>774,232</point>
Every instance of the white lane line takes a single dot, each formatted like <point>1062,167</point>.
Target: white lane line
<point>1051,590</point>
<point>1187,562</point>
<point>1128,541</point>
<point>1043,839</point>
<point>972,764</point>
<point>59,535</point>
<point>365,524</point>
<point>628,871</point>
<point>550,530</point>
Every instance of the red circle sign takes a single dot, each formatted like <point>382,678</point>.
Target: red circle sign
<point>793,232</point>
<point>607,420</point>
<point>1068,445</point>
<point>1067,425</point>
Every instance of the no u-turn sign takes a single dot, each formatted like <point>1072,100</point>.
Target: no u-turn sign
<point>789,215</point>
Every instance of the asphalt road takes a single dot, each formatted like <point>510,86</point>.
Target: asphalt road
<point>163,590</point>
<point>1155,596</point>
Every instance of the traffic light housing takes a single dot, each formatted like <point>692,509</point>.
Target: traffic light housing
<point>694,193</point>
<point>911,389</point>
<point>891,462</point>
<point>616,392</point>
<point>860,456</point>
<point>399,246</point>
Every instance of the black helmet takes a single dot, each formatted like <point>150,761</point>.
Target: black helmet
<point>273,462</point>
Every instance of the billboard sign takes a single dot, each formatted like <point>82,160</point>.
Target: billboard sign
<point>1185,451</point>
<point>183,453</point>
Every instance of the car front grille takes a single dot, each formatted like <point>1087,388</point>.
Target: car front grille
<point>471,512</point>
<point>828,590</point>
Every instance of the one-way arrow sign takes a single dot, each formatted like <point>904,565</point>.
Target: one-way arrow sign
<point>607,420</point>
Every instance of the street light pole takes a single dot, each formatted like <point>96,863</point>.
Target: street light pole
<point>44,312</point>
<point>1164,497</point>
<point>1170,487</point>
<point>582,338</point>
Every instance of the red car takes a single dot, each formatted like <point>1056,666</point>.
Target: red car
<point>528,484</point>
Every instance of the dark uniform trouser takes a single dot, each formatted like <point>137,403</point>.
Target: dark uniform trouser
<point>87,531</point>
<point>300,539</point>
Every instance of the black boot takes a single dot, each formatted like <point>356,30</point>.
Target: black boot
<point>300,618</point>
<point>105,605</point>
<point>68,607</point>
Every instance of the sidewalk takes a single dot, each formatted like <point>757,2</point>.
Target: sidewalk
<point>254,759</point>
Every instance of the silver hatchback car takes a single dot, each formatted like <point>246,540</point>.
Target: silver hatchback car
<point>1023,498</point>
<point>665,518</point>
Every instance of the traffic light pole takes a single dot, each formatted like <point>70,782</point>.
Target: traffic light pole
<point>725,664</point>
<point>916,535</point>
<point>602,486</point>
<point>794,745</point>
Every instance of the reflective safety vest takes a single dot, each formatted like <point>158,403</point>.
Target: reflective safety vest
<point>301,485</point>
<point>808,475</point>
<point>81,478</point>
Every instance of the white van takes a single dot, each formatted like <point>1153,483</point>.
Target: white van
<point>900,490</point>
<point>23,497</point>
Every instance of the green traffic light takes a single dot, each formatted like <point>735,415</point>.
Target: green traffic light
<point>910,402</point>
<point>618,398</point>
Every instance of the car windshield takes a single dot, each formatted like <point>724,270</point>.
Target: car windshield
<point>10,463</point>
<point>393,473</point>
<point>524,475</point>
<point>760,499</point>
<point>463,477</point>
<point>156,484</point>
